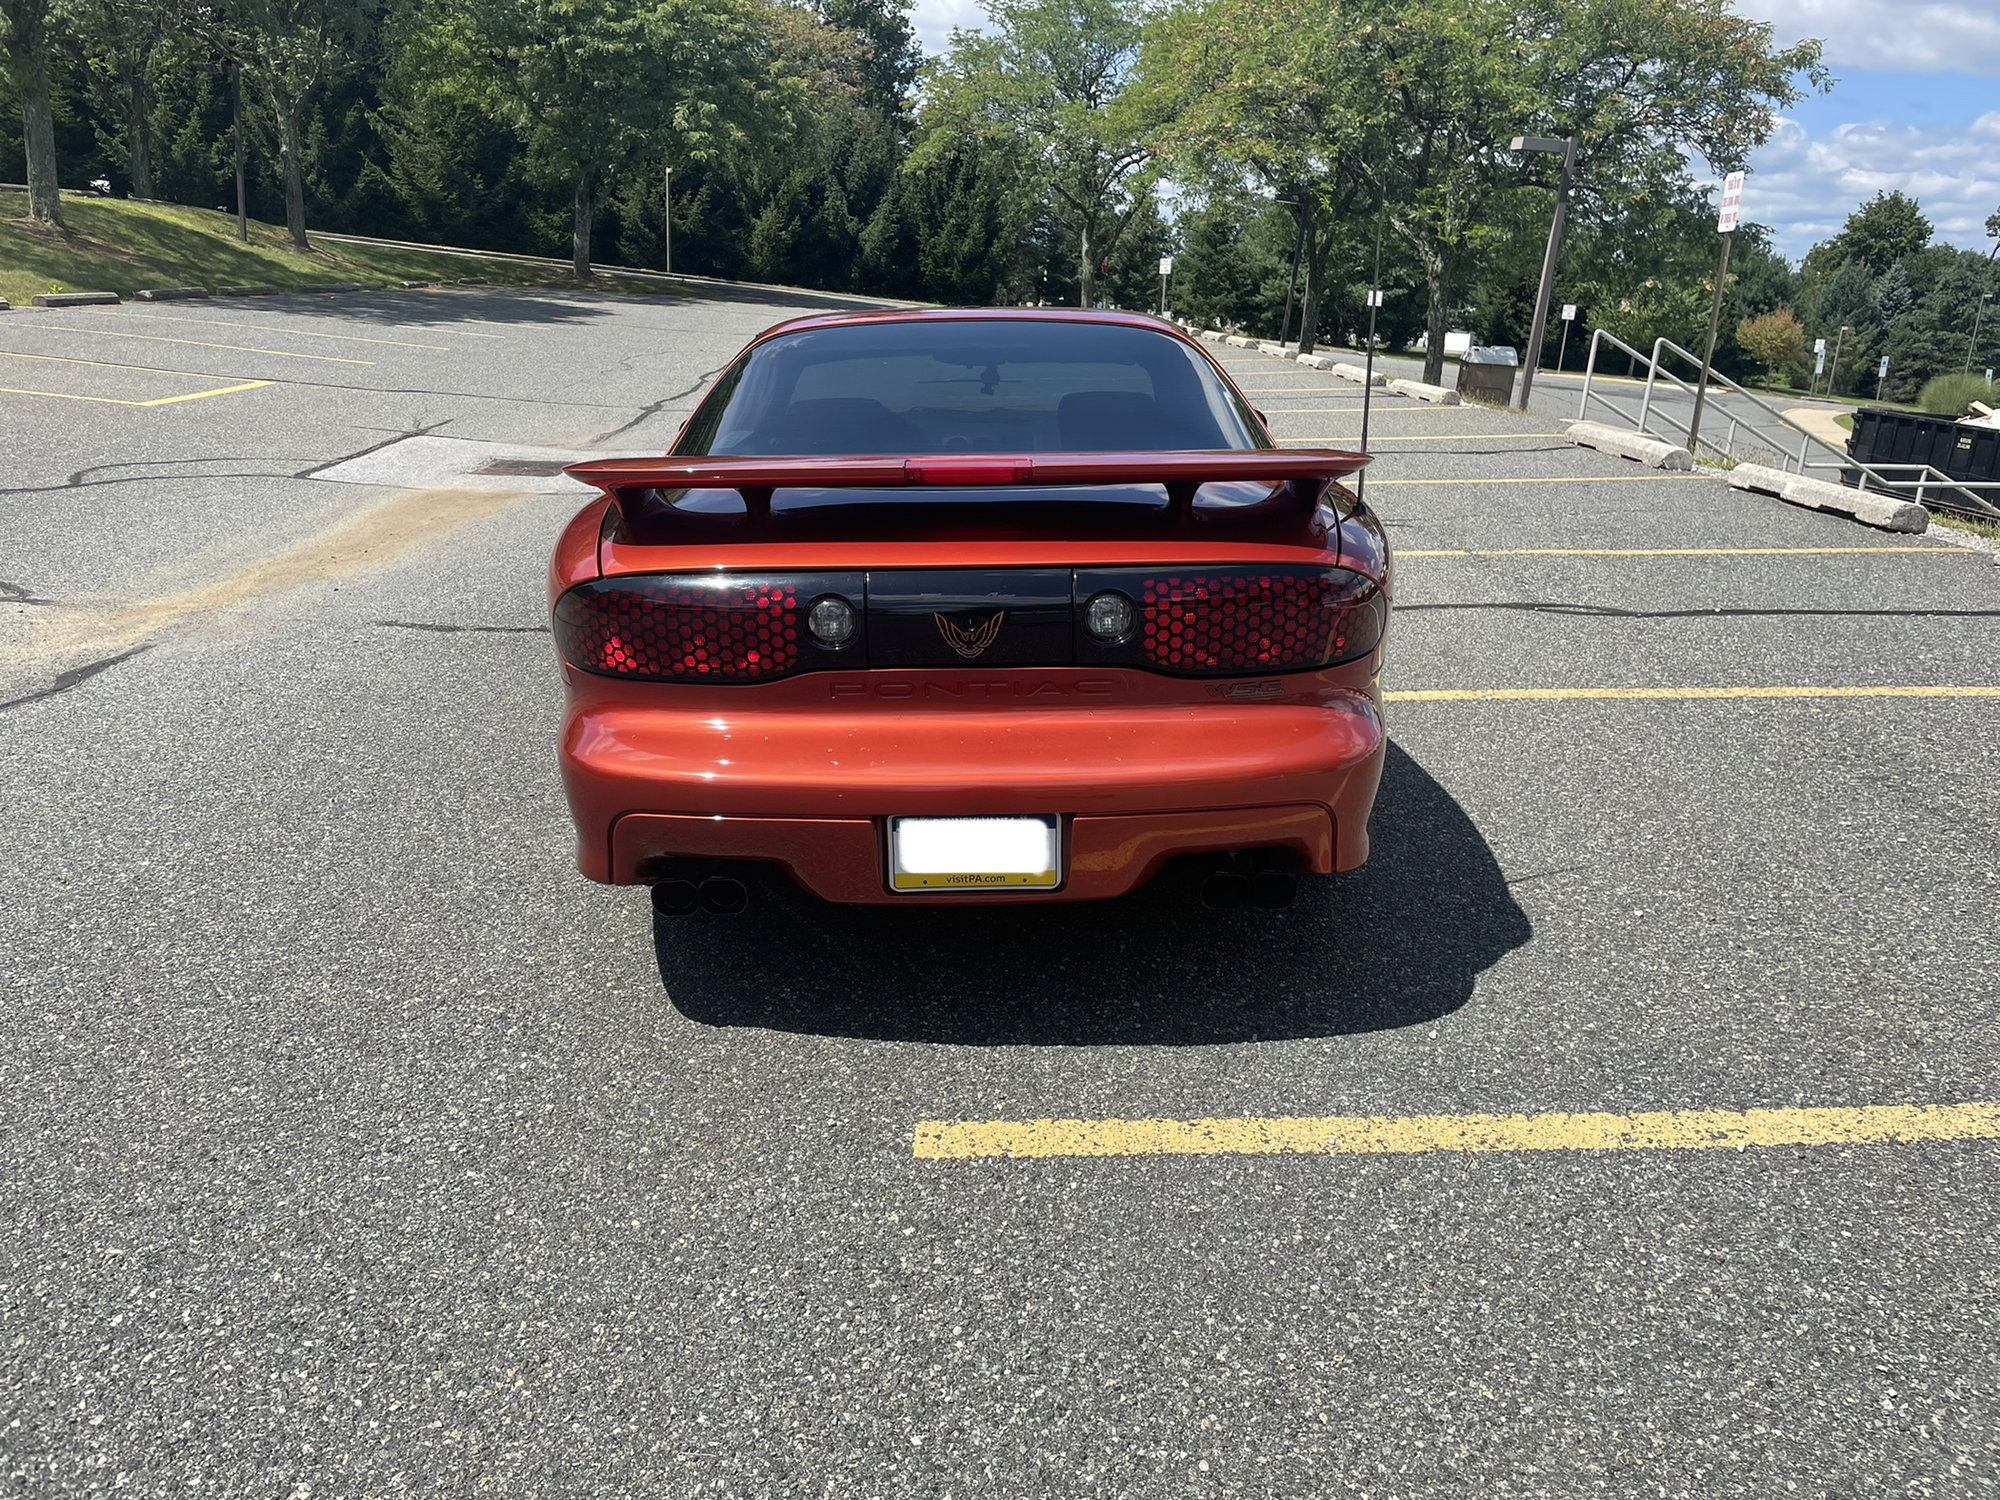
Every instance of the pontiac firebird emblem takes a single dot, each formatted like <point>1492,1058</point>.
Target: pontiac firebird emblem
<point>972,642</point>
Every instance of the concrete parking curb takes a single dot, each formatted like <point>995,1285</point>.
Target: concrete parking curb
<point>171,293</point>
<point>75,299</point>
<point>1237,341</point>
<point>1265,346</point>
<point>1209,336</point>
<point>1637,446</point>
<point>249,291</point>
<point>1820,494</point>
<point>1436,394</point>
<point>1315,361</point>
<point>1360,376</point>
<point>5,305</point>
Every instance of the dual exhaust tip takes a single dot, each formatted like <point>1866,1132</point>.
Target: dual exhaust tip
<point>1223,890</point>
<point>719,896</point>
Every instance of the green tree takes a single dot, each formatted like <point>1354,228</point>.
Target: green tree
<point>125,45</point>
<point>1776,340</point>
<point>947,229</point>
<point>1049,83</point>
<point>24,46</point>
<point>1879,233</point>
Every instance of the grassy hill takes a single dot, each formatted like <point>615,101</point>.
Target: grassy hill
<point>112,245</point>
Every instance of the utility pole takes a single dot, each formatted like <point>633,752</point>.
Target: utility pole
<point>1732,209</point>
<point>1980,316</point>
<point>667,217</point>
<point>1541,328</point>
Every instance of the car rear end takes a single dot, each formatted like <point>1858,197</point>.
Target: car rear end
<point>971,677</point>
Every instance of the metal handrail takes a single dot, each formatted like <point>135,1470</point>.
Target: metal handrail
<point>1927,476</point>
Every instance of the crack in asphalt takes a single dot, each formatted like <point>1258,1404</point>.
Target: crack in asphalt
<point>439,629</point>
<point>14,593</point>
<point>653,409</point>
<point>1714,612</point>
<point>82,480</point>
<point>74,677</point>
<point>388,442</point>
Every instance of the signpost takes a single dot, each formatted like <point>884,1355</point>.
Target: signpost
<point>1562,349</point>
<point>1819,365</point>
<point>1166,270</point>
<point>1725,223</point>
<point>1881,376</point>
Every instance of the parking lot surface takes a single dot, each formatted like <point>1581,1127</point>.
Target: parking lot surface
<point>1626,1126</point>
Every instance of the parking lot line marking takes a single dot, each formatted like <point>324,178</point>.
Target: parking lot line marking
<point>154,338</point>
<point>1554,694</point>
<point>304,333</point>
<point>226,390</point>
<point>1421,437</point>
<point>15,390</point>
<point>1559,479</point>
<point>1680,551</point>
<point>1382,1135</point>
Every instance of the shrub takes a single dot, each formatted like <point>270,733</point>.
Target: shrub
<point>1951,395</point>
<point>1776,340</point>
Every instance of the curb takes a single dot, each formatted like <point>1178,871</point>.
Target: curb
<point>1237,341</point>
<point>250,291</point>
<point>5,305</point>
<point>1437,395</point>
<point>1359,375</point>
<point>171,293</point>
<point>1265,346</point>
<point>76,299</point>
<point>1823,494</point>
<point>1315,361</point>
<point>1209,336</point>
<point>1636,446</point>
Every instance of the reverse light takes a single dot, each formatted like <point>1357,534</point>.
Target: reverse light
<point>1108,616</point>
<point>831,621</point>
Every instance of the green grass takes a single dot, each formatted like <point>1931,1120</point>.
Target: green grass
<point>1843,419</point>
<point>1958,522</point>
<point>112,245</point>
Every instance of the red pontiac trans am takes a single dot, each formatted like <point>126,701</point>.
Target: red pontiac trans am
<point>948,607</point>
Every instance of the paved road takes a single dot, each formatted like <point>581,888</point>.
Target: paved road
<point>350,1144</point>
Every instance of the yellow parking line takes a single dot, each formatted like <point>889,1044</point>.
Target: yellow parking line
<point>227,390</point>
<point>154,338</point>
<point>1418,437</point>
<point>349,338</point>
<point>1486,695</point>
<point>1378,1135</point>
<point>1558,479</point>
<point>1682,551</point>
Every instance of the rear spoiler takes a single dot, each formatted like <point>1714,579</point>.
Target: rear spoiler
<point>1302,470</point>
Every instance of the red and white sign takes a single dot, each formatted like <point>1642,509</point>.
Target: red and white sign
<point>1732,203</point>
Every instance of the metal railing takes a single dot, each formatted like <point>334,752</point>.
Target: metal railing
<point>1925,484</point>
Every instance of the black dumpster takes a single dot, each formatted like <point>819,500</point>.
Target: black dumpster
<point>1882,436</point>
<point>1486,373</point>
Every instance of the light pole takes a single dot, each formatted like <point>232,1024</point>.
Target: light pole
<point>667,217</point>
<point>1833,369</point>
<point>1984,292</point>
<point>1534,360</point>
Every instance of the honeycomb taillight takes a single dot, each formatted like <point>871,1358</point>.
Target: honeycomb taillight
<point>1223,622</point>
<point>696,627</point>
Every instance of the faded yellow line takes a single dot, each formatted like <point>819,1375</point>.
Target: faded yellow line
<point>1558,479</point>
<point>1338,1135</point>
<point>1486,695</point>
<point>1419,437</point>
<point>1682,551</point>
<point>248,385</point>
<point>154,338</point>
<point>303,333</point>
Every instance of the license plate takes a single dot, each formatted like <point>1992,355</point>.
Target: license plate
<point>975,854</point>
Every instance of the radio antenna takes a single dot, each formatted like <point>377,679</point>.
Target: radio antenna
<point>1368,382</point>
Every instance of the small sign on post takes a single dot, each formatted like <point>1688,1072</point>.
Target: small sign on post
<point>1166,265</point>
<point>1732,203</point>
<point>1569,312</point>
<point>1375,297</point>
<point>1166,270</point>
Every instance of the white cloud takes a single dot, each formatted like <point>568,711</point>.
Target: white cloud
<point>1940,36</point>
<point>1805,186</point>
<point>935,19</point>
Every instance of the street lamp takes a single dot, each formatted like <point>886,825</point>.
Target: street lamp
<point>1833,370</point>
<point>1568,149</point>
<point>1984,292</point>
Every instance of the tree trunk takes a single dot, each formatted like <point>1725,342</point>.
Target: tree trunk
<point>1437,271</point>
<point>1315,255</point>
<point>27,44</point>
<point>295,177</point>
<point>1086,270</point>
<point>137,144</point>
<point>579,238</point>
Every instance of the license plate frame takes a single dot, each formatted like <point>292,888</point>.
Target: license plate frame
<point>985,841</point>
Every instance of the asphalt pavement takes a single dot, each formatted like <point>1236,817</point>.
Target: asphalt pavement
<point>351,1144</point>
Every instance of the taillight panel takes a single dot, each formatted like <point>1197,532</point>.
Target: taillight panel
<point>1233,621</point>
<point>704,627</point>
<point>1223,621</point>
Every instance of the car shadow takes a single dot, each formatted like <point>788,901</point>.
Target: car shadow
<point>1397,943</point>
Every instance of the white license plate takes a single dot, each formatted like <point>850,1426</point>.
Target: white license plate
<point>975,854</point>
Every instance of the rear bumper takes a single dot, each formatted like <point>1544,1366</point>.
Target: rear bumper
<point>812,791</point>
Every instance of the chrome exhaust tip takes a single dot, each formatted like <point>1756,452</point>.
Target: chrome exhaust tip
<point>675,898</point>
<point>1225,890</point>
<point>1273,889</point>
<point>723,897</point>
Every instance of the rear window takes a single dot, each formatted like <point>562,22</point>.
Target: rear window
<point>969,386</point>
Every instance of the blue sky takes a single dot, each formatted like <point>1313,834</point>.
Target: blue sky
<point>1916,108</point>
